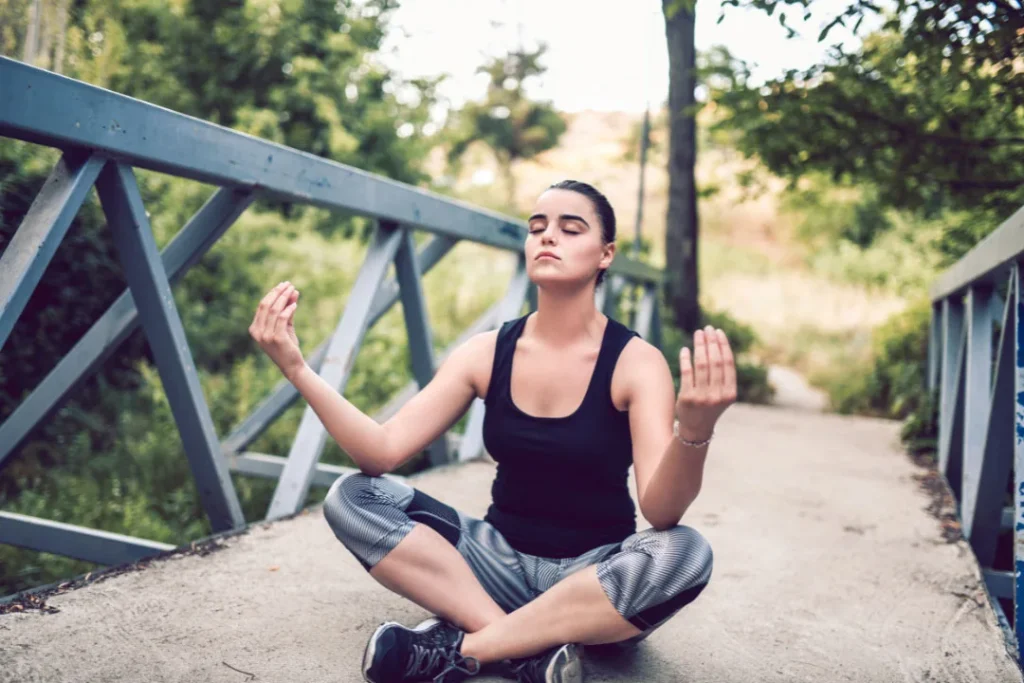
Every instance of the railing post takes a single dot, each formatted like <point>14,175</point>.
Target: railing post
<point>417,325</point>
<point>934,346</point>
<point>977,397</point>
<point>1016,299</point>
<point>952,380</point>
<point>987,491</point>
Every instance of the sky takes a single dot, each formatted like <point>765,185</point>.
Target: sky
<point>601,55</point>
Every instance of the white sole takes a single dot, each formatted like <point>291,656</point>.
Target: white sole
<point>371,645</point>
<point>565,666</point>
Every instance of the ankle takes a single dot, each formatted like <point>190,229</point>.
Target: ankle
<point>472,646</point>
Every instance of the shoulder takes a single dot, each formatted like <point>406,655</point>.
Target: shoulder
<point>641,358</point>
<point>480,346</point>
<point>642,367</point>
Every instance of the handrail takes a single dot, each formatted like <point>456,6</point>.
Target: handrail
<point>104,136</point>
<point>50,109</point>
<point>981,405</point>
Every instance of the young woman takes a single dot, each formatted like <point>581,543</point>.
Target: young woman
<point>573,399</point>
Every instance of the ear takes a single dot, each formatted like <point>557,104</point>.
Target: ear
<point>608,256</point>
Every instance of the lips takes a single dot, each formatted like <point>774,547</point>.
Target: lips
<point>546,253</point>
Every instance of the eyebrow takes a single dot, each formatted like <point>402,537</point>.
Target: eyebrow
<point>563,217</point>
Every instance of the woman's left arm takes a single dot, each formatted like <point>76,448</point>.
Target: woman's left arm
<point>668,472</point>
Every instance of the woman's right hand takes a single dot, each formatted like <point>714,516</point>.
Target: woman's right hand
<point>273,329</point>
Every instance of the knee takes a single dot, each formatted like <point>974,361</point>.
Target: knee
<point>696,547</point>
<point>688,553</point>
<point>348,493</point>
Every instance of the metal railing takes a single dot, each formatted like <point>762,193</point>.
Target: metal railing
<point>981,405</point>
<point>103,136</point>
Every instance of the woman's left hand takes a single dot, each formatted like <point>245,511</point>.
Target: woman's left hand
<point>707,386</point>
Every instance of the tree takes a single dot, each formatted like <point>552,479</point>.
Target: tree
<point>930,109</point>
<point>511,124</point>
<point>681,227</point>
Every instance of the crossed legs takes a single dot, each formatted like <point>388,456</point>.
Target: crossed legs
<point>410,543</point>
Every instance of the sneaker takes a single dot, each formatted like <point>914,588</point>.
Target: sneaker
<point>427,652</point>
<point>560,664</point>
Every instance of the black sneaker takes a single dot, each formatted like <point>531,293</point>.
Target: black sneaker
<point>560,664</point>
<point>427,652</point>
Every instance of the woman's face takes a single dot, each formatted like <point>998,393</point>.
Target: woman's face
<point>565,245</point>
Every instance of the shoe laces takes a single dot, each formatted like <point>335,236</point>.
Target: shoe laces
<point>529,670</point>
<point>426,659</point>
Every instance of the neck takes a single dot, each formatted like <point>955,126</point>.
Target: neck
<point>566,317</point>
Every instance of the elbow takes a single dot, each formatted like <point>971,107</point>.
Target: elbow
<point>375,466</point>
<point>663,525</point>
<point>660,520</point>
<point>374,470</point>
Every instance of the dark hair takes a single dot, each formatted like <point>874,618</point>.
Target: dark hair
<point>601,205</point>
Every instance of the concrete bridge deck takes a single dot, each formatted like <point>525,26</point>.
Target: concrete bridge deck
<point>827,568</point>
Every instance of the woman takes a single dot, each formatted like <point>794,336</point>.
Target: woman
<point>573,399</point>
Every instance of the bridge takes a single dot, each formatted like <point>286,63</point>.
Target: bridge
<point>832,558</point>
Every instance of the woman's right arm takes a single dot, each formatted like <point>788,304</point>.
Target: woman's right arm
<point>375,448</point>
<point>378,448</point>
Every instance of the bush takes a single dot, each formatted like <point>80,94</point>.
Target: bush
<point>893,382</point>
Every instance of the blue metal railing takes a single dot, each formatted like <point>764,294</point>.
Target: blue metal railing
<point>981,404</point>
<point>103,136</point>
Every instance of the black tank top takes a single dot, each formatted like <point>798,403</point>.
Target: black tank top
<point>561,483</point>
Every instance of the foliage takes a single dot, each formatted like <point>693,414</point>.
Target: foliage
<point>893,383</point>
<point>932,113</point>
<point>300,72</point>
<point>919,134</point>
<point>510,123</point>
<point>850,235</point>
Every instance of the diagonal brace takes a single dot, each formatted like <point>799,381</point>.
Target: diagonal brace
<point>293,486</point>
<point>41,231</point>
<point>147,280</point>
<point>122,318</point>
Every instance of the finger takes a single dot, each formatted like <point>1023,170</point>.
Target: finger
<point>728,364</point>
<point>281,322</point>
<point>294,299</point>
<point>259,320</point>
<point>685,372</point>
<point>700,361</point>
<point>275,309</point>
<point>715,371</point>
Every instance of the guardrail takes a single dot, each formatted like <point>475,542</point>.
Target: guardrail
<point>981,407</point>
<point>103,136</point>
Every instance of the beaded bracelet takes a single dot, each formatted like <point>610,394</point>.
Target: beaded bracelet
<point>686,442</point>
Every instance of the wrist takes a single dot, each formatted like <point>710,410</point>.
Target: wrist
<point>692,436</point>
<point>295,376</point>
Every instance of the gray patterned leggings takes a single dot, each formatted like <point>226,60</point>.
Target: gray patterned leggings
<point>648,577</point>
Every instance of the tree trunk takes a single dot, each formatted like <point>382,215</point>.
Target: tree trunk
<point>32,36</point>
<point>505,162</point>
<point>681,224</point>
<point>62,34</point>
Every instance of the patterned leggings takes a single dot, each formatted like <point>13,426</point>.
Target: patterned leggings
<point>648,577</point>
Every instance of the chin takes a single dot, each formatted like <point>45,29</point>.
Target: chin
<point>558,283</point>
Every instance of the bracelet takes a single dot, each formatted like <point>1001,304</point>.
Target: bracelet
<point>686,442</point>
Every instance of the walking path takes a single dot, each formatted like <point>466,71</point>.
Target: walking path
<point>827,568</point>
